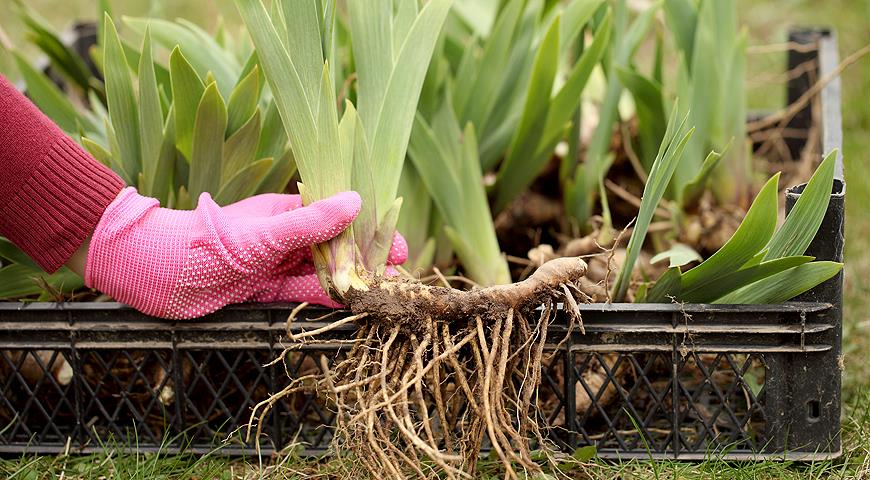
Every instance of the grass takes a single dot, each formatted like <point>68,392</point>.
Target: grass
<point>144,467</point>
<point>768,21</point>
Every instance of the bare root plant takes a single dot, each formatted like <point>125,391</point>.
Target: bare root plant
<point>437,373</point>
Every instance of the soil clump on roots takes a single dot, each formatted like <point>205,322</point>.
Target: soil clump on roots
<point>435,373</point>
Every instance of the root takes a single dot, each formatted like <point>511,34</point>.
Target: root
<point>313,333</point>
<point>436,373</point>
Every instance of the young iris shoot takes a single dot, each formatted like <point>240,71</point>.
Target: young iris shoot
<point>501,107</point>
<point>760,263</point>
<point>711,73</point>
<point>583,181</point>
<point>361,150</point>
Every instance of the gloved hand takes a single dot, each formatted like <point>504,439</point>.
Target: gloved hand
<point>184,264</point>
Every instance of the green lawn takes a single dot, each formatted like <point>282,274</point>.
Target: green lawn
<point>768,21</point>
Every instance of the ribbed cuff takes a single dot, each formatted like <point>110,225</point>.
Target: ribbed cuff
<point>59,206</point>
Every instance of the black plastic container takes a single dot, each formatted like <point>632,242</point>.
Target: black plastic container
<point>685,382</point>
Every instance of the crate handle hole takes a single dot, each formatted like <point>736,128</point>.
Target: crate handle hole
<point>814,410</point>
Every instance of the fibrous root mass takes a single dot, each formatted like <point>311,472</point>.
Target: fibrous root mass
<point>436,374</point>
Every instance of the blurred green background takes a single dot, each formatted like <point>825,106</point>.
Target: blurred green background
<point>768,22</point>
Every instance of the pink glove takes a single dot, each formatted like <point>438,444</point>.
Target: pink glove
<point>184,264</point>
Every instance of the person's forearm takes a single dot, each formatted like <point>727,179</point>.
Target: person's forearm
<point>79,259</point>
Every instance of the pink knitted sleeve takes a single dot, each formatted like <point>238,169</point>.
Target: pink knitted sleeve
<point>52,193</point>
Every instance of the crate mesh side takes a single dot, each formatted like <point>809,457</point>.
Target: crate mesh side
<point>37,399</point>
<point>626,402</point>
<point>221,386</point>
<point>128,396</point>
<point>619,402</point>
<point>721,402</point>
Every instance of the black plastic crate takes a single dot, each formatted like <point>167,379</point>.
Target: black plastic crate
<point>674,381</point>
